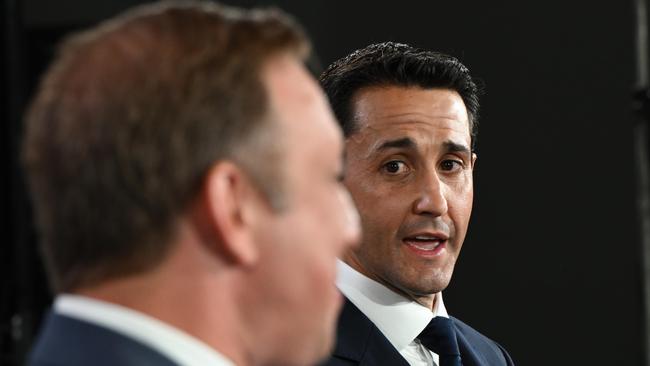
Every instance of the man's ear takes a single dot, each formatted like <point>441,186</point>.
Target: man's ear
<point>474,157</point>
<point>230,203</point>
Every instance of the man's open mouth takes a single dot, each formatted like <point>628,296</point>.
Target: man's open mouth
<point>426,242</point>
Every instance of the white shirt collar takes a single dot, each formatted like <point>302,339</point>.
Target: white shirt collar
<point>172,342</point>
<point>400,319</point>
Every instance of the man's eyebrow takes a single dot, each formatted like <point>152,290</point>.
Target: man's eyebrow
<point>408,143</point>
<point>451,146</point>
<point>405,142</point>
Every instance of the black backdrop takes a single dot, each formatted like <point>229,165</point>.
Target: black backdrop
<point>551,266</point>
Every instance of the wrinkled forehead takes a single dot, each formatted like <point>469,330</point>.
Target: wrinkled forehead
<point>424,138</point>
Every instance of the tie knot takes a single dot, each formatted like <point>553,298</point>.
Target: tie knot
<point>440,337</point>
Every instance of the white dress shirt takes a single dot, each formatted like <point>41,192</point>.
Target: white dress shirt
<point>172,342</point>
<point>400,319</point>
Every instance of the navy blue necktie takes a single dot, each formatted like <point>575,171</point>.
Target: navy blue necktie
<point>440,337</point>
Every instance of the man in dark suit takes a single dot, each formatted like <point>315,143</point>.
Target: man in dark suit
<point>173,223</point>
<point>409,117</point>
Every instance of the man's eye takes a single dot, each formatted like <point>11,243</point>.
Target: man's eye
<point>394,167</point>
<point>451,165</point>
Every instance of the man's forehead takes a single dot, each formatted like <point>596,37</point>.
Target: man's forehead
<point>386,101</point>
<point>410,134</point>
<point>309,129</point>
<point>395,108</point>
<point>410,122</point>
<point>288,82</point>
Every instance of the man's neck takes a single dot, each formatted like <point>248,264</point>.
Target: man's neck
<point>426,300</point>
<point>177,301</point>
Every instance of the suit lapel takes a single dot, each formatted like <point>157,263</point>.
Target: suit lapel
<point>478,350</point>
<point>359,340</point>
<point>468,355</point>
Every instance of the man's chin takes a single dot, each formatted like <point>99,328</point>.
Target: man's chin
<point>428,288</point>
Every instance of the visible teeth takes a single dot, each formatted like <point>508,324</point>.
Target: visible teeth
<point>422,246</point>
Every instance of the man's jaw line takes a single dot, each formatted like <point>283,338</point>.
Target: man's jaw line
<point>426,300</point>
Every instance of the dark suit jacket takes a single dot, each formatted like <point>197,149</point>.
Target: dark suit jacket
<point>71,342</point>
<point>360,342</point>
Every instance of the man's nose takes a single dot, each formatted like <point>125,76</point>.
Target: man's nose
<point>430,198</point>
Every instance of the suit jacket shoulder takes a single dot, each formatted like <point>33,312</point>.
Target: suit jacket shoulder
<point>71,342</point>
<point>477,349</point>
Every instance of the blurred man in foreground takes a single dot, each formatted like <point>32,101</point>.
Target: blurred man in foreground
<point>184,172</point>
<point>409,116</point>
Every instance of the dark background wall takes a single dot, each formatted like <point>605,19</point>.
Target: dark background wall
<point>551,267</point>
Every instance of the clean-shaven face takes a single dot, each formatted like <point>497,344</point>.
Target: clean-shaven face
<point>409,170</point>
<point>319,222</point>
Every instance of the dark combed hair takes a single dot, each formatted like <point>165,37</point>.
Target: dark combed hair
<point>129,118</point>
<point>396,64</point>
